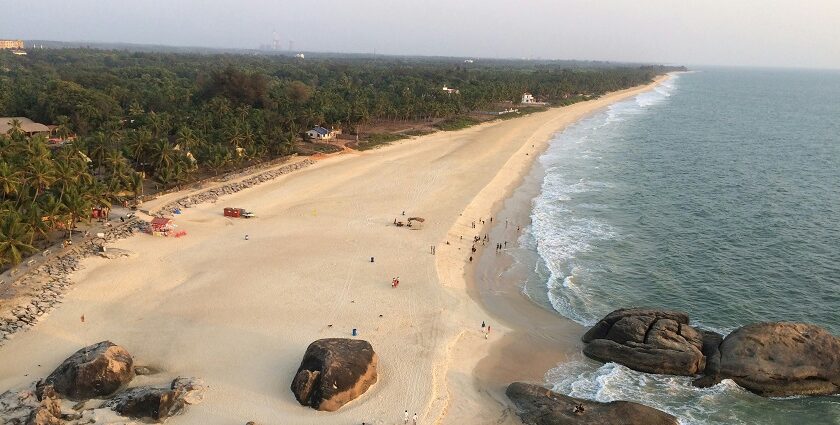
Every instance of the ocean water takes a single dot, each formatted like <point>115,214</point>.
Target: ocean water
<point>717,193</point>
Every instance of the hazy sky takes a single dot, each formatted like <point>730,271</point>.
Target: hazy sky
<point>801,33</point>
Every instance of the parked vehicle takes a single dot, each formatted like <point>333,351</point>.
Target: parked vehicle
<point>238,213</point>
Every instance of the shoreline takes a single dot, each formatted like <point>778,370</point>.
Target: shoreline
<point>523,328</point>
<point>239,314</point>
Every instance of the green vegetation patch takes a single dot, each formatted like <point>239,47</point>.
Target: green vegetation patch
<point>379,139</point>
<point>457,123</point>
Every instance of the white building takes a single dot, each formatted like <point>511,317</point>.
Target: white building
<point>528,98</point>
<point>321,133</point>
<point>450,90</point>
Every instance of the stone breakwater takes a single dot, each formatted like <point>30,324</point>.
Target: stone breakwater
<point>211,195</point>
<point>48,282</point>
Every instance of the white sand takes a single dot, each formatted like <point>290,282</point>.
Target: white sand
<point>240,314</point>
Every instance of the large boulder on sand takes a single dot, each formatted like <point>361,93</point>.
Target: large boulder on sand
<point>147,402</point>
<point>95,371</point>
<point>539,406</point>
<point>782,359</point>
<point>653,341</point>
<point>158,403</point>
<point>333,372</point>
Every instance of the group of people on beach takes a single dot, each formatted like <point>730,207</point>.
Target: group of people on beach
<point>486,238</point>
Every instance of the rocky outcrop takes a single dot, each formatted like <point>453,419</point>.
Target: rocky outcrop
<point>539,406</point>
<point>333,372</point>
<point>49,410</point>
<point>782,359</point>
<point>95,371</point>
<point>147,402</point>
<point>653,341</point>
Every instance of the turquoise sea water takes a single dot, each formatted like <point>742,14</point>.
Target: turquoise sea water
<point>717,194</point>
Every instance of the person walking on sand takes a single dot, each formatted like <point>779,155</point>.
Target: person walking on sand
<point>246,237</point>
<point>405,417</point>
<point>414,418</point>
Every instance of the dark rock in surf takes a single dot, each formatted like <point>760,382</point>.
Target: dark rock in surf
<point>653,341</point>
<point>539,406</point>
<point>711,349</point>
<point>782,359</point>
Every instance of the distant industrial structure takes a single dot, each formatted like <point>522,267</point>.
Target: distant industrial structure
<point>11,44</point>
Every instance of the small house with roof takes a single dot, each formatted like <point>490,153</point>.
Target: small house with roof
<point>450,90</point>
<point>28,126</point>
<point>321,133</point>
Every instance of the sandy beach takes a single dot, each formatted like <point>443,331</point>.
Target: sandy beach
<point>240,313</point>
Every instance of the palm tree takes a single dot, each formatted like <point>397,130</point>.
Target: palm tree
<point>159,124</point>
<point>135,183</point>
<point>10,180</point>
<point>13,237</point>
<point>15,128</point>
<point>34,219</point>
<point>39,176</point>
<point>140,144</point>
<point>167,175</point>
<point>98,147</point>
<point>54,210</point>
<point>66,174</point>
<point>187,139</point>
<point>163,154</point>
<point>218,159</point>
<point>114,161</point>
<point>77,207</point>
<point>63,130</point>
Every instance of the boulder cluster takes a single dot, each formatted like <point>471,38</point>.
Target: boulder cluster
<point>211,195</point>
<point>333,372</point>
<point>769,359</point>
<point>101,371</point>
<point>47,283</point>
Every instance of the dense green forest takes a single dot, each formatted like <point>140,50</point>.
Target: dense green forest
<point>172,116</point>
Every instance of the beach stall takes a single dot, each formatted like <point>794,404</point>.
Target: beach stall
<point>161,226</point>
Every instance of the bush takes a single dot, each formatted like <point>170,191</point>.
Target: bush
<point>457,123</point>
